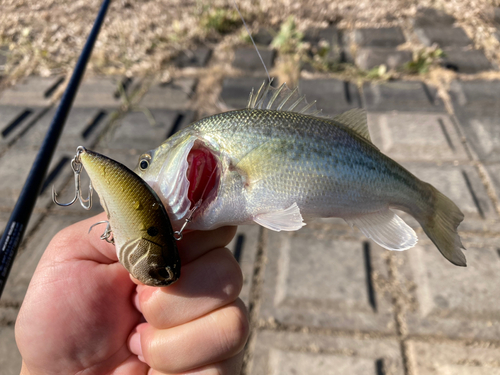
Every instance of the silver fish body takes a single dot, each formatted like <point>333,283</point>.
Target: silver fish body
<point>277,167</point>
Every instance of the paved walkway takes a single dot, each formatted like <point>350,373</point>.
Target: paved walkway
<point>323,300</point>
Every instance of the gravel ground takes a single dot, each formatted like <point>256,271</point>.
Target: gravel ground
<point>45,37</point>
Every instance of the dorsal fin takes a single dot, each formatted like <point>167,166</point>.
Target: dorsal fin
<point>282,99</point>
<point>355,119</point>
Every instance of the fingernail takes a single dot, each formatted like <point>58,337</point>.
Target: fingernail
<point>134,344</point>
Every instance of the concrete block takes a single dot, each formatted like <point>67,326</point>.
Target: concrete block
<point>279,353</point>
<point>8,315</point>
<point>244,247</point>
<point>32,91</point>
<point>236,91</point>
<point>101,92</point>
<point>416,136</point>
<point>332,95</point>
<point>263,37</point>
<point>381,37</point>
<point>483,135</point>
<point>29,255</point>
<point>443,36</point>
<point>15,120</point>
<point>83,127</point>
<point>10,358</point>
<point>368,58</point>
<point>248,60</point>
<point>494,175</point>
<point>313,278</point>
<point>432,17</point>
<point>471,61</point>
<point>329,35</point>
<point>4,50</point>
<point>478,97</point>
<point>436,358</point>
<point>171,95</point>
<point>134,131</point>
<point>401,96</point>
<point>462,184</point>
<point>197,58</point>
<point>15,165</point>
<point>450,301</point>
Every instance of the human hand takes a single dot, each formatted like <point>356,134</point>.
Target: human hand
<point>82,311</point>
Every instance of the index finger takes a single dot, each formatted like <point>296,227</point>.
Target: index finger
<point>193,244</point>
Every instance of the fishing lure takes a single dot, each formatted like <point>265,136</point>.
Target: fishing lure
<point>137,224</point>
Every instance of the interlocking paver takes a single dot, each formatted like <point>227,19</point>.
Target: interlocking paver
<point>135,131</point>
<point>83,127</point>
<point>32,91</point>
<point>448,358</point>
<point>236,91</point>
<point>494,175</point>
<point>333,96</point>
<point>244,247</point>
<point>416,136</point>
<point>462,184</point>
<point>102,92</point>
<point>315,279</point>
<point>331,36</point>
<point>483,134</point>
<point>15,165</point>
<point>401,96</point>
<point>15,120</point>
<point>450,301</point>
<point>3,57</point>
<point>10,358</point>
<point>443,36</point>
<point>280,353</point>
<point>197,58</point>
<point>368,58</point>
<point>248,60</point>
<point>382,37</point>
<point>470,61</point>
<point>170,95</point>
<point>476,96</point>
<point>432,17</point>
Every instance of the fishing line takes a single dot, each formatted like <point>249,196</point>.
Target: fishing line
<point>250,35</point>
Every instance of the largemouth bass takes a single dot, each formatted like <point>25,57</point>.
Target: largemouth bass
<point>138,224</point>
<point>278,163</point>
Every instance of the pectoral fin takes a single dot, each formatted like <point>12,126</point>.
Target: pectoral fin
<point>387,229</point>
<point>288,219</point>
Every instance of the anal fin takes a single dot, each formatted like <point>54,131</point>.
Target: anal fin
<point>288,219</point>
<point>387,229</point>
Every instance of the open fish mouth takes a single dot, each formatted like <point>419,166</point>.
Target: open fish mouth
<point>190,175</point>
<point>203,174</point>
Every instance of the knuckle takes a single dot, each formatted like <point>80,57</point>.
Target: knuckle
<point>236,330</point>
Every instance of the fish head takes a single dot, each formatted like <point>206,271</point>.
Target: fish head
<point>183,171</point>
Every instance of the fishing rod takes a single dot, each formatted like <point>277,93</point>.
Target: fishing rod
<point>16,226</point>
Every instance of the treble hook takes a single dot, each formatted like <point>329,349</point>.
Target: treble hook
<point>77,167</point>
<point>107,232</point>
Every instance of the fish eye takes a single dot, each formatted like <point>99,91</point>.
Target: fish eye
<point>144,162</point>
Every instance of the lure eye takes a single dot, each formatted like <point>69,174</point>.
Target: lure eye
<point>144,164</point>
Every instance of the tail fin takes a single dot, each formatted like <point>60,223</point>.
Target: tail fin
<point>440,223</point>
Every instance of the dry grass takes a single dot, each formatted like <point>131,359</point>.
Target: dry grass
<point>45,37</point>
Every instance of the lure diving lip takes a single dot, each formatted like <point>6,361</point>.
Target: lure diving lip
<point>137,223</point>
